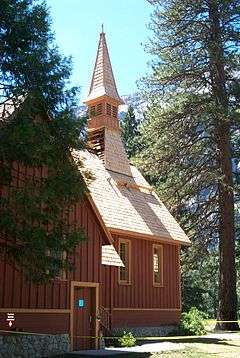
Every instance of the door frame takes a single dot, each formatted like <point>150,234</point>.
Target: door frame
<point>95,286</point>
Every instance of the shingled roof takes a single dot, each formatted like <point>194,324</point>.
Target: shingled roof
<point>128,204</point>
<point>103,82</point>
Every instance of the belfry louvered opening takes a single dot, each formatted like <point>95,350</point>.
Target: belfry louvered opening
<point>96,142</point>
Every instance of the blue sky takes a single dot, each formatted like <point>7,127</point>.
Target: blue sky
<point>77,24</point>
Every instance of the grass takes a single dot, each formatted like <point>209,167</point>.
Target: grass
<point>205,348</point>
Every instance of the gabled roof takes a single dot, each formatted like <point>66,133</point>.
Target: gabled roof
<point>129,205</point>
<point>103,82</point>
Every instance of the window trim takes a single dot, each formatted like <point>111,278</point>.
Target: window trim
<point>128,282</point>
<point>157,284</point>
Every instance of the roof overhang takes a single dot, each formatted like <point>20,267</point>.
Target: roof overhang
<point>97,97</point>
<point>167,239</point>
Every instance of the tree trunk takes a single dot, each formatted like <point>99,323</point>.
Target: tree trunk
<point>227,309</point>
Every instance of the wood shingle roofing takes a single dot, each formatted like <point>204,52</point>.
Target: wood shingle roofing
<point>128,204</point>
<point>103,82</point>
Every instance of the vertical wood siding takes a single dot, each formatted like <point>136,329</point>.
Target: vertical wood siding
<point>38,322</point>
<point>15,292</point>
<point>141,293</point>
<point>145,318</point>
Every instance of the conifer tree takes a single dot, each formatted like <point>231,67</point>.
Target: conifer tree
<point>193,116</point>
<point>130,132</point>
<point>38,130</point>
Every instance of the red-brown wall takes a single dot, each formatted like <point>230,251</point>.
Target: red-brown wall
<point>16,292</point>
<point>46,323</point>
<point>146,318</point>
<point>141,293</point>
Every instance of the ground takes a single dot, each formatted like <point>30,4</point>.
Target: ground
<point>222,345</point>
<point>205,348</point>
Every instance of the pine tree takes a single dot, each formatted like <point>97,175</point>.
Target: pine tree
<point>192,118</point>
<point>38,130</point>
<point>130,132</point>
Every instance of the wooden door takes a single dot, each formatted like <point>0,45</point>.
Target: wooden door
<point>84,318</point>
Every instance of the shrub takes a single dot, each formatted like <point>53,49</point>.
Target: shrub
<point>127,340</point>
<point>192,323</point>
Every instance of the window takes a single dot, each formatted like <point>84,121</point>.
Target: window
<point>157,265</point>
<point>109,108</point>
<point>125,254</point>
<point>114,110</point>
<point>99,109</point>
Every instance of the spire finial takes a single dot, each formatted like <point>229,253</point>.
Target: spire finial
<point>102,29</point>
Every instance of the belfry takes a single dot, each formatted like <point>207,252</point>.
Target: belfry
<point>104,133</point>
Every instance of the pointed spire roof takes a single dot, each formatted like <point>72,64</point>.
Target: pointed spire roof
<point>103,82</point>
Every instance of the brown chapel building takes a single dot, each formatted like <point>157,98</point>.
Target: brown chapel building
<point>127,273</point>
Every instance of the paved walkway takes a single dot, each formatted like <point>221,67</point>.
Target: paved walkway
<point>97,353</point>
<point>154,347</point>
<point>144,348</point>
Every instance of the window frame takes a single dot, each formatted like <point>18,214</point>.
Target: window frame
<point>128,242</point>
<point>158,247</point>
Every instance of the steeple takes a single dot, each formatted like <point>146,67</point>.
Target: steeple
<point>104,133</point>
<point>103,82</point>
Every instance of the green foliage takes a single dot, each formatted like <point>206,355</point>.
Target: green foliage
<point>200,281</point>
<point>30,61</point>
<point>127,340</point>
<point>192,128</point>
<point>191,323</point>
<point>38,131</point>
<point>130,132</point>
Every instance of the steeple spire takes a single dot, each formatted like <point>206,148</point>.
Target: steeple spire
<point>103,82</point>
<point>104,133</point>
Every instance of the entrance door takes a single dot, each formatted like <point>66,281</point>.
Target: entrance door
<point>84,318</point>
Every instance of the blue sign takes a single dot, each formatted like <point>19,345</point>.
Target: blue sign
<point>81,303</point>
